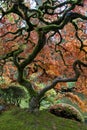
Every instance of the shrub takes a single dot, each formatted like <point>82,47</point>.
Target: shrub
<point>66,111</point>
<point>13,95</point>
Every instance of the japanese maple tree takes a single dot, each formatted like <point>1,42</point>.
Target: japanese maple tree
<point>46,39</point>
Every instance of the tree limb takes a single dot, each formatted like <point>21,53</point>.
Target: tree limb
<point>59,79</point>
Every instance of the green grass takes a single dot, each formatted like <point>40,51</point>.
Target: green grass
<point>21,119</point>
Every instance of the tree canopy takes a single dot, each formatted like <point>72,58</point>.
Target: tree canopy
<point>49,39</point>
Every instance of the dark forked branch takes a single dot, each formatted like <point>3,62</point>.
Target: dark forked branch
<point>59,79</point>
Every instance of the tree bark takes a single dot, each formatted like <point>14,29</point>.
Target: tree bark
<point>34,104</point>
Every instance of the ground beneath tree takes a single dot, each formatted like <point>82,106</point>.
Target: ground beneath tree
<point>21,119</point>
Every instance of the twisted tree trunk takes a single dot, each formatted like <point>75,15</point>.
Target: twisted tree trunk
<point>34,104</point>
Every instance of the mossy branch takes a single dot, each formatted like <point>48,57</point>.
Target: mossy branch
<point>21,78</point>
<point>59,79</point>
<point>37,49</point>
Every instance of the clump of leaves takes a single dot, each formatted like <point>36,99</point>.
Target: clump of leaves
<point>66,111</point>
<point>49,99</point>
<point>12,95</point>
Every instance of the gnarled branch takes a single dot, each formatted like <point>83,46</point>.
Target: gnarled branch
<point>59,79</point>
